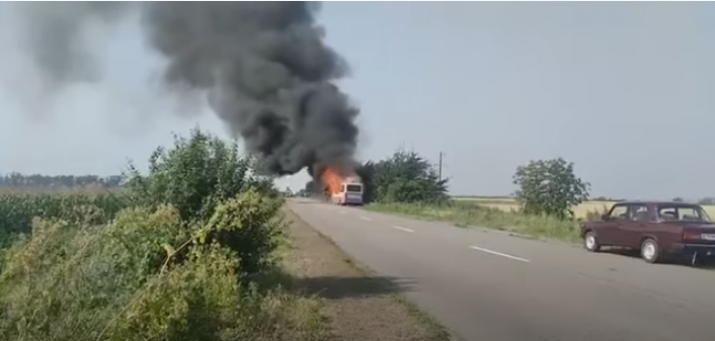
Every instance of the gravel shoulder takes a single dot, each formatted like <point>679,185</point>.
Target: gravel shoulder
<point>356,305</point>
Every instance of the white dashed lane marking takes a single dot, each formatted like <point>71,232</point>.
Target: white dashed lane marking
<point>365,218</point>
<point>403,229</point>
<point>496,253</point>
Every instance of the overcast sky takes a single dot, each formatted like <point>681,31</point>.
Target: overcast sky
<point>624,90</point>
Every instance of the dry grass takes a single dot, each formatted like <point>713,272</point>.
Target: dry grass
<point>509,204</point>
<point>357,306</point>
<point>466,214</point>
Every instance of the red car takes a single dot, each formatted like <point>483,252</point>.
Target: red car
<point>658,229</point>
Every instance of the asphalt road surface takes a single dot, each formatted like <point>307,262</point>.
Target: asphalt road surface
<point>488,286</point>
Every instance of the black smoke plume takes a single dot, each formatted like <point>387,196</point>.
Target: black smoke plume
<point>52,35</point>
<point>264,66</point>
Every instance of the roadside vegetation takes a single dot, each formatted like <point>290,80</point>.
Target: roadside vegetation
<point>185,251</point>
<point>548,191</point>
<point>471,215</point>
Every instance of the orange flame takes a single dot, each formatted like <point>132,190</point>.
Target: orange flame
<point>332,179</point>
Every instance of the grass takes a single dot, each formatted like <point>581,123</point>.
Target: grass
<point>468,214</point>
<point>502,213</point>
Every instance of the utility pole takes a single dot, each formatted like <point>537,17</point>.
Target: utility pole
<point>440,166</point>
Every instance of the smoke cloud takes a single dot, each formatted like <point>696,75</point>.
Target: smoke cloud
<point>264,67</point>
<point>52,34</point>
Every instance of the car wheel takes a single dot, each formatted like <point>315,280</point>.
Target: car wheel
<point>650,251</point>
<point>590,242</point>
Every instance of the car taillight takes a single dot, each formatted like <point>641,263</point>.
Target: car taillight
<point>691,235</point>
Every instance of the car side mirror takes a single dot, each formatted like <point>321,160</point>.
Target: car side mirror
<point>605,217</point>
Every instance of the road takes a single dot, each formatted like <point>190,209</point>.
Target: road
<point>488,285</point>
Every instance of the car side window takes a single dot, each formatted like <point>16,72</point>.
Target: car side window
<point>619,212</point>
<point>638,213</point>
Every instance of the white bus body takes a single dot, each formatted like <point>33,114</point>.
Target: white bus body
<point>351,191</point>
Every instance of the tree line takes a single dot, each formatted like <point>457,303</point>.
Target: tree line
<point>18,180</point>
<point>405,177</point>
<point>544,187</point>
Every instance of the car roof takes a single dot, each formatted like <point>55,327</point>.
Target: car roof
<point>656,203</point>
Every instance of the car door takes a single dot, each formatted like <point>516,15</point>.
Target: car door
<point>631,230</point>
<point>609,232</point>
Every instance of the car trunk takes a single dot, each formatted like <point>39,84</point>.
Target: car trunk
<point>699,234</point>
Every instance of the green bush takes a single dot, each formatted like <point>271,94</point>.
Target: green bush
<point>66,282</point>
<point>201,300</point>
<point>166,261</point>
<point>251,226</point>
<point>122,281</point>
<point>195,175</point>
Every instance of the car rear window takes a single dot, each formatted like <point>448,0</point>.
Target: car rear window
<point>354,188</point>
<point>682,213</point>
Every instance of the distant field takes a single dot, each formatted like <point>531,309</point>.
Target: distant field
<point>509,204</point>
<point>88,190</point>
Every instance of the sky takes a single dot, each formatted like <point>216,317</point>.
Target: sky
<point>623,90</point>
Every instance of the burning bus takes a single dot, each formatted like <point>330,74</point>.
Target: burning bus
<point>342,190</point>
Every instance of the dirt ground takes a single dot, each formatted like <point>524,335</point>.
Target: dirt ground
<point>356,306</point>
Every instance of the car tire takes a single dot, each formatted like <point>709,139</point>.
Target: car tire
<point>650,251</point>
<point>590,242</point>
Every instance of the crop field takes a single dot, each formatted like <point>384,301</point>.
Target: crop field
<point>509,204</point>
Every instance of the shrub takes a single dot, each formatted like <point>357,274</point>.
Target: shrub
<point>198,300</point>
<point>250,225</point>
<point>201,300</point>
<point>172,265</point>
<point>115,282</point>
<point>65,282</point>
<point>194,176</point>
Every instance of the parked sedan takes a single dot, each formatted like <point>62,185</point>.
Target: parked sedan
<point>657,229</point>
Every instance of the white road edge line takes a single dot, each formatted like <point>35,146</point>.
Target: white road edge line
<point>365,218</point>
<point>404,229</point>
<point>499,254</point>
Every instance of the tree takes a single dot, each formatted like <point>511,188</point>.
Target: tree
<point>404,177</point>
<point>550,187</point>
<point>195,175</point>
<point>366,172</point>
